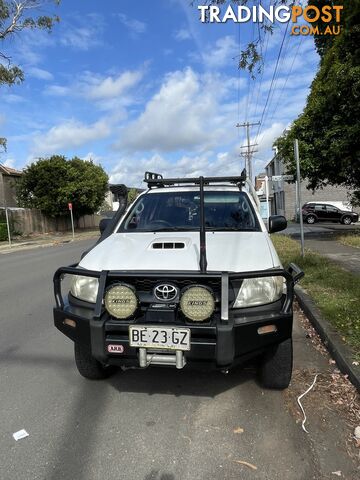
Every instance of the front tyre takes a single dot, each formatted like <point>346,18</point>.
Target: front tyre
<point>346,220</point>
<point>276,367</point>
<point>310,219</point>
<point>88,366</point>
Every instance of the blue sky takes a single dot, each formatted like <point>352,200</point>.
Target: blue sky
<point>144,85</point>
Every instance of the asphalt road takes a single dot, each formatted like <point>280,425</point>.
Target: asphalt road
<point>157,424</point>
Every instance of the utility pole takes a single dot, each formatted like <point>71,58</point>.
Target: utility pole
<point>298,184</point>
<point>249,152</point>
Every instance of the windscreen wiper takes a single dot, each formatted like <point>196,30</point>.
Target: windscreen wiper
<point>170,229</point>
<point>230,229</point>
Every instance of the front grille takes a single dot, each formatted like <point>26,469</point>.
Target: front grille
<point>148,284</point>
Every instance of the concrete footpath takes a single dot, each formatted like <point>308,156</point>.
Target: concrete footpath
<point>345,256</point>
<point>46,240</point>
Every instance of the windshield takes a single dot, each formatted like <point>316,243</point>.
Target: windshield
<point>172,211</point>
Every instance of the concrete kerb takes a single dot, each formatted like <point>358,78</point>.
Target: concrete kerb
<point>341,353</point>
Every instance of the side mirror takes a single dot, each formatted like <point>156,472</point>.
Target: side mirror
<point>277,223</point>
<point>104,222</point>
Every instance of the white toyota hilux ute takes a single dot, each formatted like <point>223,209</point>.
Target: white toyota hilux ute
<point>187,274</point>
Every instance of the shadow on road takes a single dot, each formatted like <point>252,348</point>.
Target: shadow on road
<point>189,382</point>
<point>155,475</point>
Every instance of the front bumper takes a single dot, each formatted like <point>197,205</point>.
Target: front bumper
<point>230,338</point>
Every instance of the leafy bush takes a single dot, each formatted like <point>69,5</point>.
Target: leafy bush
<point>3,232</point>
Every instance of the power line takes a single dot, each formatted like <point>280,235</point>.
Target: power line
<point>287,77</point>
<point>276,80</point>
<point>272,80</point>
<point>261,75</point>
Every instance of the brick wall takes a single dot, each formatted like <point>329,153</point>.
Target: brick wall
<point>329,193</point>
<point>7,190</point>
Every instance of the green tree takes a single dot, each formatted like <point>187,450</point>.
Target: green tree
<point>132,194</point>
<point>16,16</point>
<point>51,183</point>
<point>329,128</point>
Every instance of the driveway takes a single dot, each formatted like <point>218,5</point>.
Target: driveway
<point>154,424</point>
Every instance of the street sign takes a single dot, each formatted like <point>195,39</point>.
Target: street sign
<point>70,206</point>
<point>278,178</point>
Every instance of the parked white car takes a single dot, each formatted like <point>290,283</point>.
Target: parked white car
<point>186,275</point>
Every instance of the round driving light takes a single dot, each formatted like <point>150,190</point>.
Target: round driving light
<point>197,303</point>
<point>121,301</point>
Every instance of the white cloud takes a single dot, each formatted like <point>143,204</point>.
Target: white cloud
<point>12,98</point>
<point>84,32</point>
<point>70,134</point>
<point>40,74</point>
<point>111,87</point>
<point>269,135</point>
<point>99,88</point>
<point>9,162</point>
<point>220,54</point>
<point>82,38</point>
<point>57,90</point>
<point>135,26</point>
<point>208,163</point>
<point>182,34</point>
<point>92,157</point>
<point>184,114</point>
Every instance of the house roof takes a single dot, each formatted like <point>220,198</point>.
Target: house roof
<point>10,171</point>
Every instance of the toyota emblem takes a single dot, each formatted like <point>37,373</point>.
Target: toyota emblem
<point>165,292</point>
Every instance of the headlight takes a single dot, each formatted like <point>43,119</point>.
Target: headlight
<point>121,301</point>
<point>259,291</point>
<point>197,303</point>
<point>84,288</point>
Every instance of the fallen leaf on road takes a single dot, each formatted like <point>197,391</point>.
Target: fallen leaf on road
<point>187,438</point>
<point>247,464</point>
<point>338,473</point>
<point>239,430</point>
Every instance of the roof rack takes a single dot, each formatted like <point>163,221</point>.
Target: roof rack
<point>157,180</point>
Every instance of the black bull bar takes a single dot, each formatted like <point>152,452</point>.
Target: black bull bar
<point>292,275</point>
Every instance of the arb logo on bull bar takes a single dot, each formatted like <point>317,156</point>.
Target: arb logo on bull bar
<point>115,348</point>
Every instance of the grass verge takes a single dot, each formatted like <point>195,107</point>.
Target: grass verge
<point>335,291</point>
<point>352,240</point>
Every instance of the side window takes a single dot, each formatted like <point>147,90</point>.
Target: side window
<point>330,209</point>
<point>320,208</point>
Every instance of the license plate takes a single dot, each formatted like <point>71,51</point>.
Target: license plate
<point>168,338</point>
